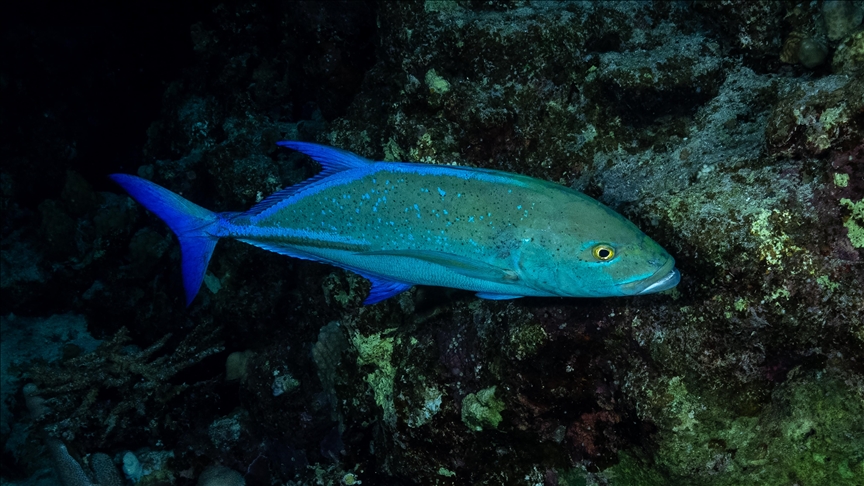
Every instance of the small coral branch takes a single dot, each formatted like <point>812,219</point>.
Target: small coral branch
<point>115,386</point>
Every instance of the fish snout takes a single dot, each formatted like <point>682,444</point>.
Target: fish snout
<point>665,278</point>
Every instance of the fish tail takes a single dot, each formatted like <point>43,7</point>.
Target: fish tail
<point>193,225</point>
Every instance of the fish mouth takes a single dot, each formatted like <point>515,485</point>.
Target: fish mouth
<point>664,278</point>
<point>666,282</point>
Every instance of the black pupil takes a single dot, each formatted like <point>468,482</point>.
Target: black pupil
<point>604,253</point>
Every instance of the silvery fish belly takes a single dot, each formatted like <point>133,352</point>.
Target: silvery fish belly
<point>501,235</point>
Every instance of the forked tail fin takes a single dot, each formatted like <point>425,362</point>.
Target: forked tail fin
<point>187,220</point>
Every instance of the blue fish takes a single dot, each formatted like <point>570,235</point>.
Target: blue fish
<point>398,224</point>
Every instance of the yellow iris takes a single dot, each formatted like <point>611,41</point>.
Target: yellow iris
<point>603,252</point>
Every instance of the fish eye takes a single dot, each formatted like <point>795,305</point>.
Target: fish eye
<point>603,252</point>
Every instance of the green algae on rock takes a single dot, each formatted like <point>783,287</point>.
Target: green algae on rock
<point>482,410</point>
<point>849,56</point>
<point>377,351</point>
<point>855,222</point>
<point>810,432</point>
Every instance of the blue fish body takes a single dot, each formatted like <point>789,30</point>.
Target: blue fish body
<point>397,224</point>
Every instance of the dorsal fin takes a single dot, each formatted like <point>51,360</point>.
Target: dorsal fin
<point>332,160</point>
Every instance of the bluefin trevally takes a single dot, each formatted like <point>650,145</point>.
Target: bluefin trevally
<point>398,224</point>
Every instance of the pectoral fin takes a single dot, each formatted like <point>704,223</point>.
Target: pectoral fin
<point>468,267</point>
<point>490,296</point>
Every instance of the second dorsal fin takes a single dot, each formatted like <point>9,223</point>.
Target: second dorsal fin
<point>332,160</point>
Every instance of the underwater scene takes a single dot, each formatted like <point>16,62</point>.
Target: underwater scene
<point>440,242</point>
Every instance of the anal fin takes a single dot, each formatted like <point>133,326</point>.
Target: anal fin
<point>383,289</point>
